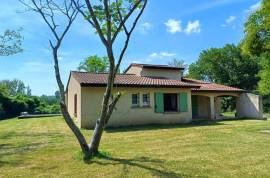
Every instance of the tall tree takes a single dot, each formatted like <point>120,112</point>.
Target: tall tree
<point>257,42</point>
<point>10,42</point>
<point>226,66</point>
<point>14,87</point>
<point>94,64</point>
<point>178,63</point>
<point>109,19</point>
<point>59,17</point>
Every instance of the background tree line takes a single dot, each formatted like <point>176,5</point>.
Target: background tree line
<point>15,98</point>
<point>246,65</point>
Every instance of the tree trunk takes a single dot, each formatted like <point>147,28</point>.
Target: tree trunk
<point>84,146</point>
<point>95,141</point>
<point>76,131</point>
<point>101,122</point>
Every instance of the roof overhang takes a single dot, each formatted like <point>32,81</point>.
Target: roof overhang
<point>136,85</point>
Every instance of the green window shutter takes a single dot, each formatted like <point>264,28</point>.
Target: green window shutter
<point>159,102</point>
<point>183,102</point>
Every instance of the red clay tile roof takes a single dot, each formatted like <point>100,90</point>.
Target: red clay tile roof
<point>207,86</point>
<point>128,80</point>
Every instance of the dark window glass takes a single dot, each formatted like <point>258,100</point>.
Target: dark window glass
<point>135,99</point>
<point>146,99</point>
<point>75,105</point>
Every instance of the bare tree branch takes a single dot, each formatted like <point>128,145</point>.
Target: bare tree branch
<point>47,9</point>
<point>112,107</point>
<point>128,34</point>
<point>95,21</point>
<point>108,20</point>
<point>125,19</point>
<point>79,8</point>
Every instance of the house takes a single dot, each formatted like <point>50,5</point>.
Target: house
<point>153,94</point>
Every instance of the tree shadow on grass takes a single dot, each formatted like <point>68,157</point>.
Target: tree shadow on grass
<point>155,166</point>
<point>10,153</point>
<point>7,150</point>
<point>164,126</point>
<point>13,134</point>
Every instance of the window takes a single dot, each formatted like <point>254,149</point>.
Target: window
<point>75,105</point>
<point>170,102</point>
<point>136,99</point>
<point>146,99</point>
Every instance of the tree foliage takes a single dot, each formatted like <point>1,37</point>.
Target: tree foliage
<point>10,42</point>
<point>94,64</point>
<point>228,66</point>
<point>257,42</point>
<point>14,100</point>
<point>15,87</point>
<point>178,63</point>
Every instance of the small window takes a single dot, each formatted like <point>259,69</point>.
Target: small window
<point>75,105</point>
<point>146,99</point>
<point>135,99</point>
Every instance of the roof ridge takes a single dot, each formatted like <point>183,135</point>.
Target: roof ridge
<point>85,72</point>
<point>196,80</point>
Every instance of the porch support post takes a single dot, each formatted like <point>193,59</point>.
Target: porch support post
<point>212,107</point>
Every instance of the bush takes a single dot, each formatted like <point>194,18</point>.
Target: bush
<point>12,106</point>
<point>14,101</point>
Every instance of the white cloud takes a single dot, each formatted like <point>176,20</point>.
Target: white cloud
<point>153,55</point>
<point>173,26</point>
<point>254,7</point>
<point>161,54</point>
<point>193,27</point>
<point>166,54</point>
<point>229,21</point>
<point>145,27</point>
<point>136,61</point>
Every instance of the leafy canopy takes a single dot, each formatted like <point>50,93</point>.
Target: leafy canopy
<point>226,66</point>
<point>118,11</point>
<point>257,42</point>
<point>94,64</point>
<point>15,87</point>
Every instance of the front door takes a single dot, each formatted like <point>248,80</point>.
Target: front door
<point>195,106</point>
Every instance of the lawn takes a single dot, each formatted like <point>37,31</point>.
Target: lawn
<point>45,147</point>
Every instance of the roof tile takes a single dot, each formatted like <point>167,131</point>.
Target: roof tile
<point>91,79</point>
<point>130,80</point>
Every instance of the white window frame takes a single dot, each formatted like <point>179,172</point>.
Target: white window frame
<point>147,103</point>
<point>138,99</point>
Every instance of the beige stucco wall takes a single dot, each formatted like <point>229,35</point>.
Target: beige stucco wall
<point>203,107</point>
<point>166,73</point>
<point>74,88</point>
<point>125,114</point>
<point>249,106</point>
<point>171,74</point>
<point>218,106</point>
<point>210,103</point>
<point>134,70</point>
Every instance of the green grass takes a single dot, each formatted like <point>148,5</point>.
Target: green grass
<point>229,114</point>
<point>45,147</point>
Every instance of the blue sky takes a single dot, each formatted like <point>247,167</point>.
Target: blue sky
<point>168,29</point>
